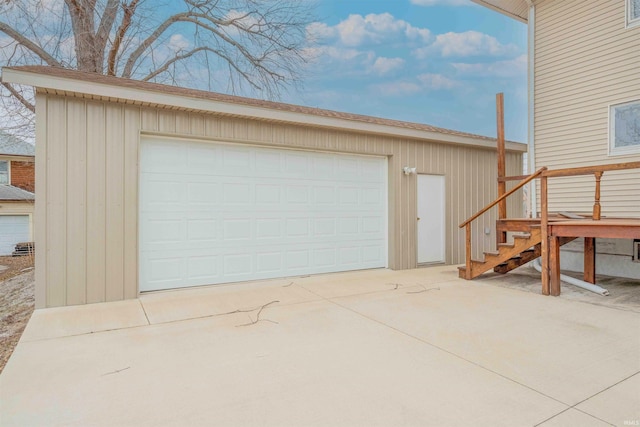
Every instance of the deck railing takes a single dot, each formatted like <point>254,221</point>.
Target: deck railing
<point>501,198</point>
<point>597,172</point>
<point>544,174</point>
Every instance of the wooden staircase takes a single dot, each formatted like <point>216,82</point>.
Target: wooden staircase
<point>508,256</point>
<point>526,247</point>
<point>543,236</point>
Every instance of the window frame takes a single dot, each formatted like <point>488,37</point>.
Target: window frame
<point>620,151</point>
<point>8,173</point>
<point>630,21</point>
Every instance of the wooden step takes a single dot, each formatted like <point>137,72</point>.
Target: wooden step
<point>525,257</point>
<point>506,251</point>
<point>522,258</point>
<point>524,248</point>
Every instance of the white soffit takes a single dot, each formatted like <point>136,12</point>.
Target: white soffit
<point>516,9</point>
<point>144,96</point>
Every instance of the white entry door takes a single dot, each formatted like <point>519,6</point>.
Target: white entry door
<point>217,213</point>
<point>431,219</point>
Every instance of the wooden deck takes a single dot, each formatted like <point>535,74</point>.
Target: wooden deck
<point>543,236</point>
<point>590,230</point>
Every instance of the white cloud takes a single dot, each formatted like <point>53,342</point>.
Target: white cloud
<point>507,68</point>
<point>384,65</point>
<point>436,82</point>
<point>442,2</point>
<point>358,30</point>
<point>177,43</point>
<point>337,53</point>
<point>422,83</point>
<point>398,88</point>
<point>469,43</point>
<point>320,30</point>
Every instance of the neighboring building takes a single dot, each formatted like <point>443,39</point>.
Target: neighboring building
<point>144,187</point>
<point>584,86</point>
<point>17,183</point>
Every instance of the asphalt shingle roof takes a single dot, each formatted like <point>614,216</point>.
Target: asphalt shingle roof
<point>9,192</point>
<point>14,146</point>
<point>199,94</point>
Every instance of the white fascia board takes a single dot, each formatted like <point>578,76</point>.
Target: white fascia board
<point>500,10</point>
<point>208,105</point>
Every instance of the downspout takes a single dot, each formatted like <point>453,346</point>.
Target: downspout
<point>531,151</point>
<point>575,282</point>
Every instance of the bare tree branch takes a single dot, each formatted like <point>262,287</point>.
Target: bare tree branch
<point>24,41</point>
<point>129,11</point>
<point>225,45</point>
<point>106,23</point>
<point>135,55</point>
<point>19,97</point>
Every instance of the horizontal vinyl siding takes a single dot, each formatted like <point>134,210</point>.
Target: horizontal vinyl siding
<point>88,158</point>
<point>585,60</point>
<point>16,207</point>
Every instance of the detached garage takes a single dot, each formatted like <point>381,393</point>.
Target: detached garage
<point>145,187</point>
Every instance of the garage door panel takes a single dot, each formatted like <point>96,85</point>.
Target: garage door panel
<point>163,157</point>
<point>228,213</point>
<point>198,230</point>
<point>13,229</point>
<point>234,264</point>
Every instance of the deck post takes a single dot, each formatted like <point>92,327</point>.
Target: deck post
<point>467,273</point>
<point>590,259</point>
<point>502,185</point>
<point>554,265</point>
<point>544,235</point>
<point>596,204</point>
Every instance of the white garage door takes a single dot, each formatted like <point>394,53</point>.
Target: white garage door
<point>13,229</point>
<point>217,213</point>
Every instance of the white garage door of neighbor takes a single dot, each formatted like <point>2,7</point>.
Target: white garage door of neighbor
<point>13,229</point>
<point>217,213</point>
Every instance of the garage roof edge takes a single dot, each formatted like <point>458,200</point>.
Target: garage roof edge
<point>109,87</point>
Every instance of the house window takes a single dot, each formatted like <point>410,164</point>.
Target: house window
<point>624,128</point>
<point>633,13</point>
<point>4,172</point>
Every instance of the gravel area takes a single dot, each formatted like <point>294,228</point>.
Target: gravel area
<point>16,302</point>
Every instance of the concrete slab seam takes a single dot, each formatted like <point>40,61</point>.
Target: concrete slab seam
<point>144,311</point>
<point>588,398</point>
<point>448,352</point>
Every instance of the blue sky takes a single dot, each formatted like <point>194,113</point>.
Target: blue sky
<point>438,62</point>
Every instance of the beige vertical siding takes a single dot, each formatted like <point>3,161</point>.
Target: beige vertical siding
<point>96,202</point>
<point>40,208</point>
<point>88,158</point>
<point>585,60</point>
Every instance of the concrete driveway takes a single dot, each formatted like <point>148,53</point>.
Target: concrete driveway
<point>369,348</point>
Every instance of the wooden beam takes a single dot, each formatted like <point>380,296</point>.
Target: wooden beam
<point>544,226</point>
<point>504,196</point>
<point>590,259</point>
<point>502,186</point>
<point>468,271</point>
<point>554,266</point>
<point>512,178</point>
<point>600,229</point>
<point>590,170</point>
